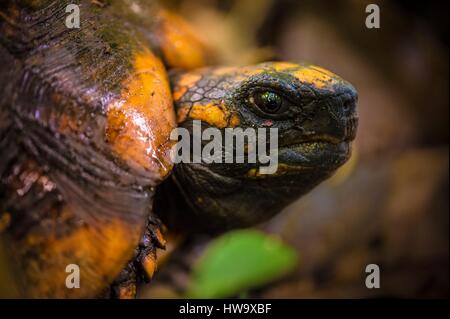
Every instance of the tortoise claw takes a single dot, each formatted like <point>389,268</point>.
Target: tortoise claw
<point>143,265</point>
<point>149,265</point>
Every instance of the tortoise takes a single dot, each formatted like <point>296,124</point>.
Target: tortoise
<point>86,116</point>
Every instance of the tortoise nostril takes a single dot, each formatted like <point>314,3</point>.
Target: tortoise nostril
<point>348,104</point>
<point>348,97</point>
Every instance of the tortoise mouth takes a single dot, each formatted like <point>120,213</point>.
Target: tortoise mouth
<point>318,153</point>
<point>317,156</point>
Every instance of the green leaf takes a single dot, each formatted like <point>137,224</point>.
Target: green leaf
<point>238,261</point>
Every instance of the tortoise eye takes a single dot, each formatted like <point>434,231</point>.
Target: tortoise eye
<point>268,102</point>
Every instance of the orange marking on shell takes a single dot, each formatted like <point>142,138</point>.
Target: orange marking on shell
<point>179,42</point>
<point>140,122</point>
<point>99,252</point>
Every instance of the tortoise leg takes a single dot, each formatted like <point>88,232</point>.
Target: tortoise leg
<point>142,267</point>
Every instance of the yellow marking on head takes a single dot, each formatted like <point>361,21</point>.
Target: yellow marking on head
<point>234,120</point>
<point>214,115</point>
<point>184,83</point>
<point>316,76</point>
<point>322,70</point>
<point>189,79</point>
<point>252,71</point>
<point>140,122</point>
<point>179,91</point>
<point>253,172</point>
<point>282,169</point>
<point>210,113</point>
<point>219,71</point>
<point>283,66</point>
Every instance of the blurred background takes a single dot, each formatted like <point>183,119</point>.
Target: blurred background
<point>389,204</point>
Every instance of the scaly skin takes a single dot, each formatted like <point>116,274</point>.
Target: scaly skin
<point>316,123</point>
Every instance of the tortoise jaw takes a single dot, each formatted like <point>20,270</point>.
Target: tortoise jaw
<point>312,156</point>
<point>318,154</point>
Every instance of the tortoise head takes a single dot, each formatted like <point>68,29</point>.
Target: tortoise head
<point>293,123</point>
